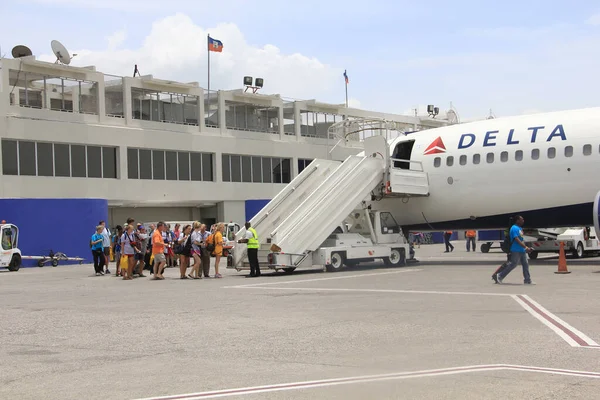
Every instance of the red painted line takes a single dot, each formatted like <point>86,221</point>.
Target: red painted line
<point>554,322</point>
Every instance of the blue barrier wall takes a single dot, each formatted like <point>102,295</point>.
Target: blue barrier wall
<point>253,207</point>
<point>64,225</point>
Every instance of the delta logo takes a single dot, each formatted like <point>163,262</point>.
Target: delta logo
<point>436,147</point>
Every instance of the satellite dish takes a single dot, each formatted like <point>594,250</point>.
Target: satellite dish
<point>21,51</point>
<point>61,52</point>
<point>452,117</point>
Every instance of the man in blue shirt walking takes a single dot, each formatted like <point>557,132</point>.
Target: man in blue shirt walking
<point>518,253</point>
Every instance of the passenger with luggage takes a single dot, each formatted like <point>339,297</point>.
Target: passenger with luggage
<point>517,253</point>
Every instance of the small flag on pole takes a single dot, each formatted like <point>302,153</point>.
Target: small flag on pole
<point>215,45</point>
<point>346,77</point>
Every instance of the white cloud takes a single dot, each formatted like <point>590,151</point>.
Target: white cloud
<point>116,39</point>
<point>593,20</point>
<point>176,49</point>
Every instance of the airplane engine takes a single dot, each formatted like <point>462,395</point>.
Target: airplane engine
<point>597,213</point>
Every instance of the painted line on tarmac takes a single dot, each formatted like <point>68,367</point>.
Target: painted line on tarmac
<point>571,335</point>
<point>375,291</point>
<point>374,378</point>
<point>323,279</point>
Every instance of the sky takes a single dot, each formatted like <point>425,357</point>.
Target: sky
<point>515,57</point>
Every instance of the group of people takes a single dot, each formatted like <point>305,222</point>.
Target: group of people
<point>136,250</point>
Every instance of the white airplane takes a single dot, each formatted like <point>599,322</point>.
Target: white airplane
<point>541,166</point>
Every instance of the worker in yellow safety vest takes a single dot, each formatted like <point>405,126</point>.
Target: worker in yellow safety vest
<point>251,238</point>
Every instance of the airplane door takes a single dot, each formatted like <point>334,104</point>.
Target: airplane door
<point>597,214</point>
<point>403,151</point>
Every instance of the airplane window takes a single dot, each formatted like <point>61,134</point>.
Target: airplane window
<point>535,154</point>
<point>519,155</point>
<point>569,151</point>
<point>490,158</point>
<point>587,150</point>
<point>449,161</point>
<point>476,158</point>
<point>463,160</point>
<point>437,162</point>
<point>551,152</point>
<point>504,156</point>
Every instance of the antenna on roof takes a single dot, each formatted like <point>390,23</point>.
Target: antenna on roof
<point>61,53</point>
<point>21,51</point>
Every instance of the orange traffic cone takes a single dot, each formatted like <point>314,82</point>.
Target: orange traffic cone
<point>562,261</point>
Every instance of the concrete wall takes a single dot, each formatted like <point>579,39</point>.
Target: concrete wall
<point>65,225</point>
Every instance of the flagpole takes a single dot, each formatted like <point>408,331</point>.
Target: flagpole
<point>207,112</point>
<point>346,94</point>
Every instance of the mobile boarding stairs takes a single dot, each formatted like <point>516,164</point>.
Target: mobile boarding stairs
<point>305,213</point>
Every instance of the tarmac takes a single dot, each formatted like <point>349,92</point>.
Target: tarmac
<point>437,329</point>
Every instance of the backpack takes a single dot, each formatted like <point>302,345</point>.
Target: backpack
<point>507,243</point>
<point>187,247</point>
<point>210,243</point>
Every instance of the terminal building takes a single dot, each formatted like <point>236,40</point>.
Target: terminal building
<point>79,145</point>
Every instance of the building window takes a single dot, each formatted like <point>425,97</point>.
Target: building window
<point>450,161</point>
<point>519,155</point>
<point>133,171</point>
<point>171,165</point>
<point>490,158</point>
<point>10,160</point>
<point>303,163</point>
<point>569,151</point>
<point>504,156</point>
<point>109,162</point>
<point>183,165</point>
<point>45,157</point>
<point>535,154</point>
<point>246,169</point>
<point>28,158</point>
<point>94,161</point>
<point>587,150</point>
<point>551,152</point>
<point>476,158</point>
<point>145,157</point>
<point>462,160</point>
<point>196,166</point>
<point>437,162</point>
<point>256,169</point>
<point>62,160</point>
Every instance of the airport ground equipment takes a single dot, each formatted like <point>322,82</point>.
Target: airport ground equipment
<point>373,235</point>
<point>579,241</point>
<point>53,258</point>
<point>300,219</point>
<point>10,257</point>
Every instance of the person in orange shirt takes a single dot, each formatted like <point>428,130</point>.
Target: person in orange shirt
<point>470,235</point>
<point>447,237</point>
<point>158,251</point>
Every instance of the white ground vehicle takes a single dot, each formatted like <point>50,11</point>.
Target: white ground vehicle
<point>578,241</point>
<point>11,255</point>
<point>374,235</point>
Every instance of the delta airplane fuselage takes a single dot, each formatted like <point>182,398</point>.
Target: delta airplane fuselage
<point>543,166</point>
